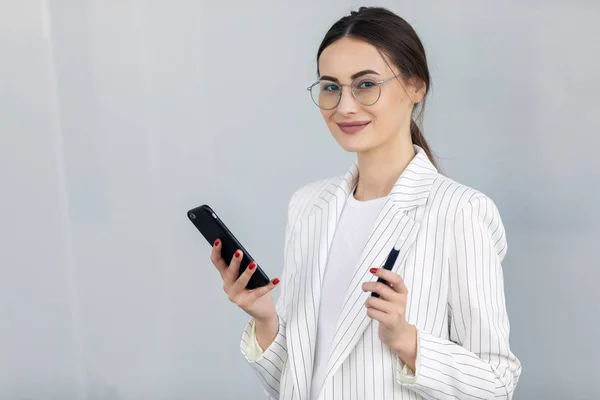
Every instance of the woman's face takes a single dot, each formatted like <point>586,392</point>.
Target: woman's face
<point>355,126</point>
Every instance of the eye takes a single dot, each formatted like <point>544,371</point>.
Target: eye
<point>330,87</point>
<point>366,84</point>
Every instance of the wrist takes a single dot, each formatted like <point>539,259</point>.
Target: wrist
<point>406,346</point>
<point>266,330</point>
<point>267,321</point>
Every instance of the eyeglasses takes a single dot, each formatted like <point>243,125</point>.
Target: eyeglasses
<point>326,94</point>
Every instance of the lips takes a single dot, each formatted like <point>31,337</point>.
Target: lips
<point>353,127</point>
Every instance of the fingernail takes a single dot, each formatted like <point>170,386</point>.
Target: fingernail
<point>217,242</point>
<point>275,281</point>
<point>252,265</point>
<point>373,270</point>
<point>238,254</point>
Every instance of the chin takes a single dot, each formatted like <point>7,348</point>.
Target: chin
<point>353,144</point>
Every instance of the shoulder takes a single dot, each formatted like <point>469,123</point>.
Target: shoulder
<point>312,190</point>
<point>306,195</point>
<point>468,210</point>
<point>457,197</point>
<point>303,199</point>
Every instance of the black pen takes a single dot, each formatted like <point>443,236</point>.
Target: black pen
<point>389,263</point>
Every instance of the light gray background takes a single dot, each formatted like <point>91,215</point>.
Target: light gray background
<point>118,116</point>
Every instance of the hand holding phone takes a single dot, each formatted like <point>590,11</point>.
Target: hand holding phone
<point>244,281</point>
<point>212,228</point>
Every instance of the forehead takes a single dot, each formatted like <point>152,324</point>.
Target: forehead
<point>347,56</point>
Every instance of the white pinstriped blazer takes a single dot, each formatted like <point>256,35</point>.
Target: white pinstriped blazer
<point>451,241</point>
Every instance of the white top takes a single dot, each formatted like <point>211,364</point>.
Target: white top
<point>356,223</point>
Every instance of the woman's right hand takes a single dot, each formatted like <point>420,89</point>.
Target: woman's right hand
<point>258,303</point>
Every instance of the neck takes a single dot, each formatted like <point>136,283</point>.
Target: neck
<point>380,168</point>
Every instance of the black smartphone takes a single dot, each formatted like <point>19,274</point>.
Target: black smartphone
<point>212,228</point>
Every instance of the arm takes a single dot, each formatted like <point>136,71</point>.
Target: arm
<point>266,355</point>
<point>476,363</point>
<point>264,342</point>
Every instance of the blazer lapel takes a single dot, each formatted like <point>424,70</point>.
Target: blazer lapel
<point>314,237</point>
<point>394,228</point>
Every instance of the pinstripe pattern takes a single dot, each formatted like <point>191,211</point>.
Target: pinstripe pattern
<point>451,243</point>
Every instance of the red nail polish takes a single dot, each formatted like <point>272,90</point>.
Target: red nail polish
<point>252,265</point>
<point>217,242</point>
<point>275,281</point>
<point>238,254</point>
<point>373,270</point>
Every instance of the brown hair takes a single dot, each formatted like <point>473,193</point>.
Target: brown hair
<point>395,38</point>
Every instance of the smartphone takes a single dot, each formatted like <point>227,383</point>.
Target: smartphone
<point>212,228</point>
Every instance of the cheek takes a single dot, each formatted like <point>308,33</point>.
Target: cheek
<point>327,114</point>
<point>386,117</point>
<point>390,116</point>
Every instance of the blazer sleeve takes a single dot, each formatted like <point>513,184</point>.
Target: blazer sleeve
<point>269,364</point>
<point>476,363</point>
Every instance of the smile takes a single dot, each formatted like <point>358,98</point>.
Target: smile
<point>352,127</point>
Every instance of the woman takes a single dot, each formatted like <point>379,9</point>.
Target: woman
<point>437,326</point>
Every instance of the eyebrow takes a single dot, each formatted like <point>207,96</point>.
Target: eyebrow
<point>356,75</point>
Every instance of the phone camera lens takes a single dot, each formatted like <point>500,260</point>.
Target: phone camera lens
<point>192,216</point>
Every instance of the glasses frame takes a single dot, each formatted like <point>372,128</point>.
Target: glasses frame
<point>379,83</point>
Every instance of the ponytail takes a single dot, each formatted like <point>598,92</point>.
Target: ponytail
<point>418,139</point>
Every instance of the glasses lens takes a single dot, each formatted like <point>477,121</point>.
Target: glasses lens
<point>326,94</point>
<point>366,90</point>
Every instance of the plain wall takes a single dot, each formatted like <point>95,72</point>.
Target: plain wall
<point>116,117</point>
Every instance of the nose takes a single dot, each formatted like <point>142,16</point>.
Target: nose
<point>348,103</point>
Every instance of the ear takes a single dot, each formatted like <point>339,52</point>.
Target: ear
<point>416,90</point>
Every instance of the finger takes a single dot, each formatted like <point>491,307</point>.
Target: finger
<point>386,292</point>
<point>396,281</point>
<point>242,281</point>
<point>378,315</point>
<point>233,271</point>
<point>217,258</point>
<point>382,305</point>
<point>256,294</point>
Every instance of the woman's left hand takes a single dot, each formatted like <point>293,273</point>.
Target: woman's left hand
<point>389,309</point>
